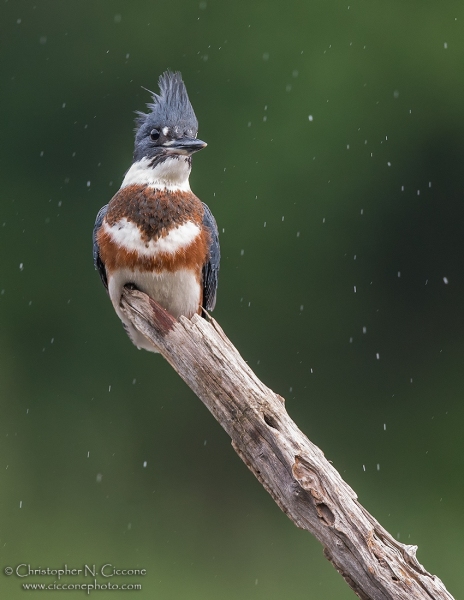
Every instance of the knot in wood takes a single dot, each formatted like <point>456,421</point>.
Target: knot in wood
<point>309,481</point>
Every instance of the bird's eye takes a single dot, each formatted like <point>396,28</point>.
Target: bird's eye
<point>154,134</point>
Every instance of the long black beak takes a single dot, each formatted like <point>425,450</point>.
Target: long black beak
<point>185,145</point>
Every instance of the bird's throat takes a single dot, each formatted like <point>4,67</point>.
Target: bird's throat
<point>165,173</point>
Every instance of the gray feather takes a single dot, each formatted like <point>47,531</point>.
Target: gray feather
<point>211,267</point>
<point>97,261</point>
<point>170,108</point>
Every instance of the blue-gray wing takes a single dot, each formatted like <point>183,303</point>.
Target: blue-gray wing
<point>211,267</point>
<point>97,261</point>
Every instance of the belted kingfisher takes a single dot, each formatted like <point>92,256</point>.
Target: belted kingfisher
<point>155,234</point>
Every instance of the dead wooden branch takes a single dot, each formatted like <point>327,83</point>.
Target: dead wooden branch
<point>292,469</point>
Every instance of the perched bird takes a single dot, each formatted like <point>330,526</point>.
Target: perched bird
<point>155,234</point>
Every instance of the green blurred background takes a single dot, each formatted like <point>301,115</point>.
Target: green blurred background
<point>334,169</point>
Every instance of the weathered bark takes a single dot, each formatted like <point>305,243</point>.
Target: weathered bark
<point>291,468</point>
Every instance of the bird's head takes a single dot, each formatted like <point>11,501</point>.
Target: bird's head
<point>169,130</point>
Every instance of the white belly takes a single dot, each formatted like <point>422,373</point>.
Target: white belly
<point>179,293</point>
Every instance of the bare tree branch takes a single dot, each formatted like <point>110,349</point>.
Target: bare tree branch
<point>291,468</point>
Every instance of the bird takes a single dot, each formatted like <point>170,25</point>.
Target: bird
<point>155,235</point>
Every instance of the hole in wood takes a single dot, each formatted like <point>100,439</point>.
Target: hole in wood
<point>269,420</point>
<point>325,513</point>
